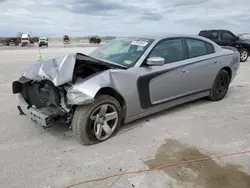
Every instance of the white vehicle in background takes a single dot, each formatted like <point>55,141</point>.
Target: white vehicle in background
<point>43,41</point>
<point>25,40</point>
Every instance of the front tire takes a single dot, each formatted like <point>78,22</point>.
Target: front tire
<point>244,53</point>
<point>97,122</point>
<point>220,86</point>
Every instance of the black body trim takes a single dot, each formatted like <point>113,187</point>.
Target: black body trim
<point>16,87</point>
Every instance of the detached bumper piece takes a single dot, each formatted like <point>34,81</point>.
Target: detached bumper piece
<point>34,114</point>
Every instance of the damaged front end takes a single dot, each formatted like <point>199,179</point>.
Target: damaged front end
<point>41,101</point>
<point>46,89</point>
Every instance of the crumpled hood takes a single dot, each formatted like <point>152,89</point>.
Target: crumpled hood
<point>58,70</point>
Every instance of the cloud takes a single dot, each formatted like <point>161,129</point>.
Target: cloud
<point>188,2</point>
<point>96,7</point>
<point>121,17</point>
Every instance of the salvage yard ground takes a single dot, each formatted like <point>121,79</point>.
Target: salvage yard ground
<point>33,157</point>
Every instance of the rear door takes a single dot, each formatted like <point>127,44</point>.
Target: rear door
<point>203,66</point>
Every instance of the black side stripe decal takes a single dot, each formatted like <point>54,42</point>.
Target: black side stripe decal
<point>143,83</point>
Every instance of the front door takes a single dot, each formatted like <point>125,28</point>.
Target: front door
<point>159,84</point>
<point>226,38</point>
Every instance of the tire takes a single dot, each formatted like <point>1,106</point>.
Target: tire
<point>220,86</point>
<point>244,53</point>
<point>84,128</point>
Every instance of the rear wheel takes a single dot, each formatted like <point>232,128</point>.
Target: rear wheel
<point>244,54</point>
<point>220,86</point>
<point>97,122</point>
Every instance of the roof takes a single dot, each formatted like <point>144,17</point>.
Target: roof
<point>214,30</point>
<point>162,36</point>
<point>25,36</point>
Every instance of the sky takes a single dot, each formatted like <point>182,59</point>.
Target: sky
<point>121,17</point>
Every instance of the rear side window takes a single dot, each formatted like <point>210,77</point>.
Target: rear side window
<point>209,34</point>
<point>196,48</point>
<point>210,48</point>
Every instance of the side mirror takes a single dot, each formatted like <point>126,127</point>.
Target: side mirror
<point>237,38</point>
<point>155,61</point>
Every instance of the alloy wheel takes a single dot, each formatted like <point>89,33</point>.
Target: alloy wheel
<point>243,55</point>
<point>103,121</point>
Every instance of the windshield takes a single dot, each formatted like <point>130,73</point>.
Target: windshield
<point>123,51</point>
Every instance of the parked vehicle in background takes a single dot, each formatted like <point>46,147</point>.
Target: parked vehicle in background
<point>25,40</point>
<point>95,40</point>
<point>123,80</point>
<point>227,38</point>
<point>43,41</point>
<point>66,39</point>
<point>14,41</point>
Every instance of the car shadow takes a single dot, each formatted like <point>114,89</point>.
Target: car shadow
<point>141,122</point>
<point>62,131</point>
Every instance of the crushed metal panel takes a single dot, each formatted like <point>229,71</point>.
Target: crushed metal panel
<point>58,70</point>
<point>84,91</point>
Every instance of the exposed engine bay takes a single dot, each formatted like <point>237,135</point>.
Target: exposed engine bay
<point>84,69</point>
<point>45,86</point>
<point>41,94</point>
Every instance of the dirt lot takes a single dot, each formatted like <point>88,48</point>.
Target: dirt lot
<point>33,157</point>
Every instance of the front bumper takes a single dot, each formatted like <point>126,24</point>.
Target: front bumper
<point>33,113</point>
<point>42,43</point>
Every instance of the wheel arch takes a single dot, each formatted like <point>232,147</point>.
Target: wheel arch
<point>244,46</point>
<point>229,71</point>
<point>113,93</point>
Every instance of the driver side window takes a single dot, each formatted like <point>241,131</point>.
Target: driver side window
<point>227,36</point>
<point>171,50</point>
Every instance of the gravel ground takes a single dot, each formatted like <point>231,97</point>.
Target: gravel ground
<point>33,157</point>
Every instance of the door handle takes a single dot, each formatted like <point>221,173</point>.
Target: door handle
<point>184,71</point>
<point>215,61</point>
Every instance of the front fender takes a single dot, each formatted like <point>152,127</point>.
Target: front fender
<point>84,90</point>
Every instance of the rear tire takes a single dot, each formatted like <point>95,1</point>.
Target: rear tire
<point>220,86</point>
<point>86,128</point>
<point>244,53</point>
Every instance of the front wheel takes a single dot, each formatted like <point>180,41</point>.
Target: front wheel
<point>244,55</point>
<point>98,121</point>
<point>220,86</point>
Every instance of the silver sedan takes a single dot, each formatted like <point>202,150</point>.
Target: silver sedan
<point>123,80</point>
